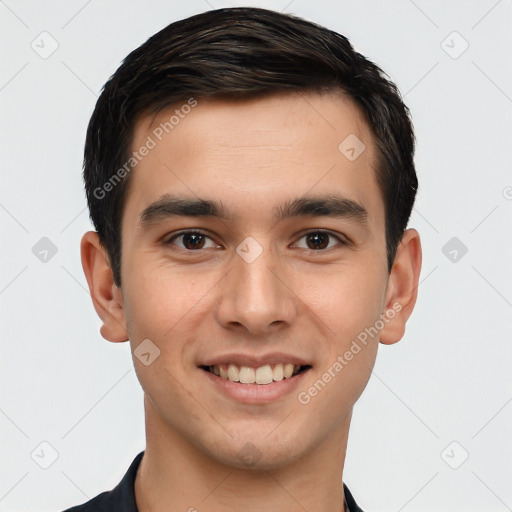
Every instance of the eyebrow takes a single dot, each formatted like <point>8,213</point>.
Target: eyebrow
<point>318,206</point>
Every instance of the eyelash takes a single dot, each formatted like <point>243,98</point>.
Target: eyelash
<point>341,241</point>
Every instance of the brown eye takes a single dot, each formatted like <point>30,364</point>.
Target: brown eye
<point>192,241</point>
<point>317,240</point>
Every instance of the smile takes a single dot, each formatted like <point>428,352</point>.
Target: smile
<point>262,375</point>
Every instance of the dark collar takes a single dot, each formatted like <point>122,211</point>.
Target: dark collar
<point>122,497</point>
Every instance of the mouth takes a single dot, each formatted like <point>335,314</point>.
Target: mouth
<point>261,375</point>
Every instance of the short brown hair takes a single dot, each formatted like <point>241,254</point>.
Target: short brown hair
<point>242,53</point>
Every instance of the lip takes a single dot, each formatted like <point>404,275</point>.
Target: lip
<point>255,393</point>
<point>254,361</point>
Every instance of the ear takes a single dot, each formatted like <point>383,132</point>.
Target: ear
<point>106,296</point>
<point>402,289</point>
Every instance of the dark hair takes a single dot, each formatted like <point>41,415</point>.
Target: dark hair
<point>241,53</point>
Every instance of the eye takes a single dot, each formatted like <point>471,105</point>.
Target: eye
<point>317,240</point>
<point>192,241</point>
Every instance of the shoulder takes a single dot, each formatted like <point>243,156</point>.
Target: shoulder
<point>350,501</point>
<point>119,499</point>
<point>101,503</point>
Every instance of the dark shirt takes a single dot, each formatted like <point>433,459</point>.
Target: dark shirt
<point>122,497</point>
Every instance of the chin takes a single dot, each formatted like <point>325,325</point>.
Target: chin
<point>256,451</point>
<point>252,458</point>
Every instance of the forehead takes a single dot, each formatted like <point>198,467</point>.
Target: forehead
<point>255,153</point>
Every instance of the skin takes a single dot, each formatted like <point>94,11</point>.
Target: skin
<point>197,303</point>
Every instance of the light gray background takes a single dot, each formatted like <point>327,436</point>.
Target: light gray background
<point>448,380</point>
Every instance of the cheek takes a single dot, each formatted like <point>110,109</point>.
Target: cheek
<point>151,308</point>
<point>163,301</point>
<point>347,301</point>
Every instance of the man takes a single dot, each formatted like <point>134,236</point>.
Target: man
<point>250,177</point>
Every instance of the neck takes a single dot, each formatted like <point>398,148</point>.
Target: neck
<point>176,476</point>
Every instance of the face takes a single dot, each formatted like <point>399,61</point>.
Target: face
<point>251,241</point>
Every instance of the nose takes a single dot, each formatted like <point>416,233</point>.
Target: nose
<point>257,296</point>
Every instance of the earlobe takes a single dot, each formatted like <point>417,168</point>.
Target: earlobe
<point>106,296</point>
<point>402,287</point>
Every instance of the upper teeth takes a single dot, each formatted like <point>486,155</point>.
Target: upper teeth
<point>260,375</point>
